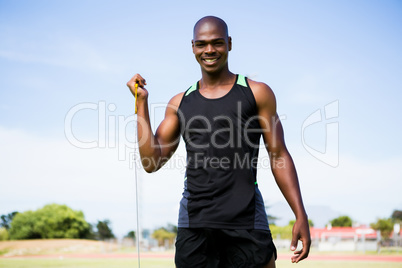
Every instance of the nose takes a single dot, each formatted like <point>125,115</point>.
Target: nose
<point>209,48</point>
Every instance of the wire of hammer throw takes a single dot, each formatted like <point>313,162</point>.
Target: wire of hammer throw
<point>136,184</point>
<point>135,96</point>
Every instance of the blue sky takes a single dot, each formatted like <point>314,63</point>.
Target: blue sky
<point>58,55</point>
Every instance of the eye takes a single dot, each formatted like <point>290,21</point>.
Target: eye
<point>199,45</point>
<point>219,43</point>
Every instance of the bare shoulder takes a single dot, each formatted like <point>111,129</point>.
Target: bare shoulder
<point>174,102</point>
<point>263,94</point>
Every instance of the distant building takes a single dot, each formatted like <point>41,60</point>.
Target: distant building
<point>345,238</point>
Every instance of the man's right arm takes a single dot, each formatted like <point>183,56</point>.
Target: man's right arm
<point>155,150</point>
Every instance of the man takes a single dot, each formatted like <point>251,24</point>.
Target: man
<point>222,220</point>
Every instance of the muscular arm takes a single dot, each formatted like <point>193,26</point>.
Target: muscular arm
<point>155,149</point>
<point>282,165</point>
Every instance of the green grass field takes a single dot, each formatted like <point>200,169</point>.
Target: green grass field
<point>162,263</point>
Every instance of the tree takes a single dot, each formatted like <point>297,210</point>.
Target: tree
<point>281,232</point>
<point>51,221</point>
<point>162,235</point>
<point>6,219</point>
<point>397,216</point>
<point>385,226</point>
<point>23,226</point>
<point>342,221</point>
<point>310,222</point>
<point>104,231</point>
<point>130,234</point>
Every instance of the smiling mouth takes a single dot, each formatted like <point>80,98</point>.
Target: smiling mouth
<point>210,60</point>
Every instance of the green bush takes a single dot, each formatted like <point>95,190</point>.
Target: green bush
<point>3,234</point>
<point>385,226</point>
<point>282,232</point>
<point>51,221</point>
<point>161,235</point>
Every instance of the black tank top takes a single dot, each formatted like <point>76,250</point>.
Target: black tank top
<point>222,138</point>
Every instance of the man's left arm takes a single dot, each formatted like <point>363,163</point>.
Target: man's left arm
<point>282,166</point>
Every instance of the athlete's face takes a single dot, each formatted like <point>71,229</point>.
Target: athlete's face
<point>211,46</point>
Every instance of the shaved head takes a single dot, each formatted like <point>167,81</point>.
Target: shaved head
<point>211,20</point>
<point>211,45</point>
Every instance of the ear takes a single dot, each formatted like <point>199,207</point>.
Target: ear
<point>230,43</point>
<point>192,44</point>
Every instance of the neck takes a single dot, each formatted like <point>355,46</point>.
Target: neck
<point>211,80</point>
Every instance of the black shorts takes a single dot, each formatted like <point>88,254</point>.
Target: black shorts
<point>213,248</point>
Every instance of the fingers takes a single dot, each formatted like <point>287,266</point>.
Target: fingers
<point>299,255</point>
<point>295,239</point>
<point>296,234</point>
<point>293,244</point>
<point>136,79</point>
<point>300,232</point>
<point>141,93</point>
<point>303,253</point>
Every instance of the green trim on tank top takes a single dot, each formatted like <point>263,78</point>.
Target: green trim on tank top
<point>191,89</point>
<point>241,80</point>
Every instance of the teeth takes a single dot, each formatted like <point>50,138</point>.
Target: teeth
<point>208,60</point>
